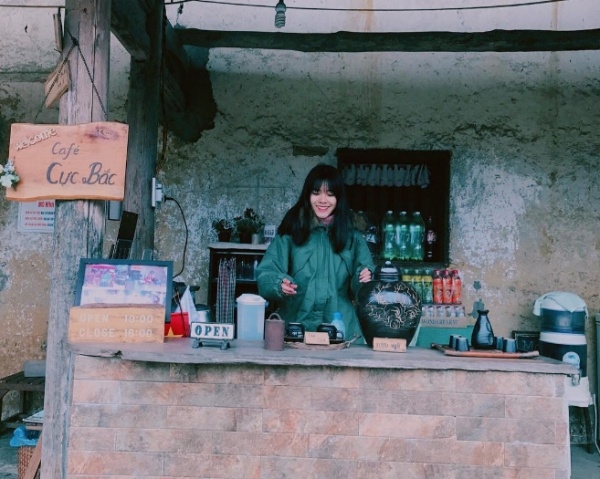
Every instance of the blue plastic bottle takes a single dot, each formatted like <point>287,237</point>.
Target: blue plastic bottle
<point>338,322</point>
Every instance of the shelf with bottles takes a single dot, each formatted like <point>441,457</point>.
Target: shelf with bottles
<point>375,197</point>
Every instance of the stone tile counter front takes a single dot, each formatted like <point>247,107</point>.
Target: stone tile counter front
<point>170,411</point>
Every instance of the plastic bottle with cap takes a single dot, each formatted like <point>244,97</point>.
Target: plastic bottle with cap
<point>338,322</point>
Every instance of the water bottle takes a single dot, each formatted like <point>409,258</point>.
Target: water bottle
<point>403,237</point>
<point>339,324</point>
<point>417,233</point>
<point>388,231</point>
<point>427,287</point>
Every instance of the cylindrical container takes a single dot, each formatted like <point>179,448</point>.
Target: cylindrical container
<point>388,232</point>
<point>274,333</point>
<point>446,287</point>
<point>561,312</point>
<point>438,287</point>
<point>427,297</point>
<point>338,322</point>
<point>250,317</point>
<point>402,237</point>
<point>563,321</point>
<point>456,287</point>
<point>559,345</point>
<point>416,229</point>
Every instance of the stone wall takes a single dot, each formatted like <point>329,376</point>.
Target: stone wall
<point>137,419</point>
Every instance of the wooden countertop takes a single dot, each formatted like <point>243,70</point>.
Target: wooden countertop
<point>179,350</point>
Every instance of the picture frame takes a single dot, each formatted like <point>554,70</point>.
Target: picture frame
<point>527,340</point>
<point>124,282</point>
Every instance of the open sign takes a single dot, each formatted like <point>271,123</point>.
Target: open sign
<point>212,331</point>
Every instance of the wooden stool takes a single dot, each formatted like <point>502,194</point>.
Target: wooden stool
<point>24,385</point>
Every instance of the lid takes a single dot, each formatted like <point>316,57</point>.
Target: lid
<point>559,301</point>
<point>386,272</point>
<point>251,299</point>
<point>563,338</point>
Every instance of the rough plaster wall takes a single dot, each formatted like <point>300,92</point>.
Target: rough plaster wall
<point>521,128</point>
<point>27,58</point>
<point>24,257</point>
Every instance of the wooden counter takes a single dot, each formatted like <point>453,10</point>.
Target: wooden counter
<point>169,410</point>
<point>179,351</point>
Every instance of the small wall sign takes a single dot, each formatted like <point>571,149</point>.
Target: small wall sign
<point>36,216</point>
<point>390,345</point>
<point>311,337</point>
<point>85,161</point>
<point>125,324</point>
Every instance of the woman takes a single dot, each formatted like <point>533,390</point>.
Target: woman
<point>317,260</point>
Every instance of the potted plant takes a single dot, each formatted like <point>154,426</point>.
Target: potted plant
<point>223,227</point>
<point>248,224</point>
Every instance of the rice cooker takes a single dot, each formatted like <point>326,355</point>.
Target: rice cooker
<point>564,316</point>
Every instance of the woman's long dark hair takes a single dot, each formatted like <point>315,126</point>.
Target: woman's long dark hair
<point>298,221</point>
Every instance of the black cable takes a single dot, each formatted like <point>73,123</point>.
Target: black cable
<point>168,198</point>
<point>342,9</point>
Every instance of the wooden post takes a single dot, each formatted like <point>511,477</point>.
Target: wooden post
<point>144,108</point>
<point>79,224</point>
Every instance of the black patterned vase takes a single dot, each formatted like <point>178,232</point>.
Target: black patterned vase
<point>388,307</point>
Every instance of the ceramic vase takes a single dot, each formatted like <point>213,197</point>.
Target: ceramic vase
<point>483,334</point>
<point>388,307</point>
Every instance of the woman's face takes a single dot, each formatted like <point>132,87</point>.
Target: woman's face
<point>323,203</point>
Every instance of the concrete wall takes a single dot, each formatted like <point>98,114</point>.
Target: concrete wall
<point>522,128</point>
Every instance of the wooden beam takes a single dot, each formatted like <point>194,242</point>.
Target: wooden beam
<point>492,41</point>
<point>79,228</point>
<point>143,112</point>
<point>128,24</point>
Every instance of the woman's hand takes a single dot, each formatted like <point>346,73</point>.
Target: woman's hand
<point>364,276</point>
<point>288,287</point>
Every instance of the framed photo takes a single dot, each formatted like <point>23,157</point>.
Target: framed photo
<point>125,282</point>
<point>527,340</point>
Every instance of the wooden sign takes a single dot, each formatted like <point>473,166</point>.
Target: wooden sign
<point>316,338</point>
<point>57,83</point>
<point>212,331</point>
<point>390,345</point>
<point>123,324</point>
<point>85,161</point>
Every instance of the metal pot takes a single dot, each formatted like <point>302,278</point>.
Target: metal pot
<point>203,313</point>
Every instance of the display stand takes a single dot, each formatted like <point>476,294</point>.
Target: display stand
<point>223,344</point>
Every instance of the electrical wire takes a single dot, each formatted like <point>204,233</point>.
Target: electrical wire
<point>596,425</point>
<point>168,198</point>
<point>333,9</point>
<point>342,9</point>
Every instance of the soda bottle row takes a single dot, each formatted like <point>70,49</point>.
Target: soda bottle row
<point>403,236</point>
<point>435,287</point>
<point>447,287</point>
<point>421,281</point>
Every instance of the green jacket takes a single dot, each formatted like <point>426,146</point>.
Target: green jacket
<point>327,282</point>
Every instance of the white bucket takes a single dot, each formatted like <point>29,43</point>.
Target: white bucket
<point>251,317</point>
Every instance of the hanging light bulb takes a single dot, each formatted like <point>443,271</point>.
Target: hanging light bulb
<point>280,9</point>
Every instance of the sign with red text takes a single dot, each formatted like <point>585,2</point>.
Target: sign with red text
<point>36,216</point>
<point>85,161</point>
